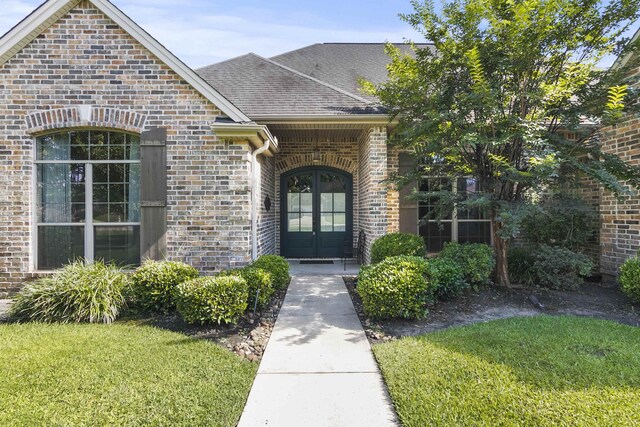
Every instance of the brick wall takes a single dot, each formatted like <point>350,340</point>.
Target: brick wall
<point>86,59</point>
<point>393,197</point>
<point>267,219</point>
<point>372,169</point>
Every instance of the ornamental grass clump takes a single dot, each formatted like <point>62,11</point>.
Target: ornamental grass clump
<point>154,284</point>
<point>217,299</point>
<point>78,292</point>
<point>396,287</point>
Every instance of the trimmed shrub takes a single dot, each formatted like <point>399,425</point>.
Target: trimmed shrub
<point>447,278</point>
<point>277,266</point>
<point>630,278</point>
<point>395,244</point>
<point>77,292</point>
<point>395,287</point>
<point>154,284</point>
<point>476,260</point>
<point>521,269</point>
<point>256,278</point>
<point>217,299</point>
<point>560,268</point>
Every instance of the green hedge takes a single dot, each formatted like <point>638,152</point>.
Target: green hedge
<point>395,244</point>
<point>77,292</point>
<point>257,279</point>
<point>217,299</point>
<point>549,266</point>
<point>154,284</point>
<point>277,266</point>
<point>630,278</point>
<point>395,287</point>
<point>447,278</point>
<point>476,260</point>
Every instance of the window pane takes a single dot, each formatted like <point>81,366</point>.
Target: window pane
<point>339,222</point>
<point>466,188</point>
<point>99,145</point>
<point>120,245</point>
<point>53,147</point>
<point>133,147</point>
<point>326,222</point>
<point>326,202</point>
<point>434,236</point>
<point>431,185</point>
<point>116,193</point>
<point>294,222</point>
<point>59,188</point>
<point>474,232</point>
<point>306,222</point>
<point>58,245</point>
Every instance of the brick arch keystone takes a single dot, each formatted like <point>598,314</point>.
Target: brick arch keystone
<point>84,116</point>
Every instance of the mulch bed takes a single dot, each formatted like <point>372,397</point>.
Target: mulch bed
<point>248,338</point>
<point>592,299</point>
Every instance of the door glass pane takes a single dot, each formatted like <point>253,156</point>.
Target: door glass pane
<point>326,222</point>
<point>60,193</point>
<point>332,183</point>
<point>306,222</point>
<point>58,245</point>
<point>339,202</point>
<point>326,202</point>
<point>339,222</point>
<point>294,222</point>
<point>306,202</point>
<point>294,202</point>
<point>120,245</point>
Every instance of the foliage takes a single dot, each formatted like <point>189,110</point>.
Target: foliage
<point>395,287</point>
<point>521,262</point>
<point>630,278</point>
<point>550,266</point>
<point>218,299</point>
<point>120,375</point>
<point>395,244</point>
<point>500,97</point>
<point>77,292</point>
<point>447,278</point>
<point>561,220</point>
<point>277,266</point>
<point>154,283</point>
<point>257,279</point>
<point>527,371</point>
<point>476,260</point>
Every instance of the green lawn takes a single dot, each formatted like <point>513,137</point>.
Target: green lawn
<point>120,375</point>
<point>549,371</point>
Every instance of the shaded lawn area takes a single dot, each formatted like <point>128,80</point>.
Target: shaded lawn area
<point>121,375</point>
<point>544,370</point>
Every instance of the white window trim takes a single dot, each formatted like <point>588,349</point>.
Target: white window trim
<point>88,224</point>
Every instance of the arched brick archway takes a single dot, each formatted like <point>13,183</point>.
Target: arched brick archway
<point>78,116</point>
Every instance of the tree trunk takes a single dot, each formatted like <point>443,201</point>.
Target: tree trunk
<point>501,247</point>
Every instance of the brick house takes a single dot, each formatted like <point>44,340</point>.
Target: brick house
<point>112,148</point>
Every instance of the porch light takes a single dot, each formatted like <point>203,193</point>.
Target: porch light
<point>316,155</point>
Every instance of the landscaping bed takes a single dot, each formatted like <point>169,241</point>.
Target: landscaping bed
<point>534,371</point>
<point>248,338</point>
<point>118,374</point>
<point>489,303</point>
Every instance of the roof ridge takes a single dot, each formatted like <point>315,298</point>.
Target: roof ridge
<point>223,61</point>
<point>306,76</point>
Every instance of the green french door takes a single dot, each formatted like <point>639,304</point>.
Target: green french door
<point>317,217</point>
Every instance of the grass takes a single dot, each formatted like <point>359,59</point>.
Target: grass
<point>539,371</point>
<point>125,375</point>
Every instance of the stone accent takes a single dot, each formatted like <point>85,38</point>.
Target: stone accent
<point>372,170</point>
<point>84,116</point>
<point>85,59</point>
<point>341,155</point>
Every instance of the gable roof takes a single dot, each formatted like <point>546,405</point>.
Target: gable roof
<point>263,88</point>
<point>51,10</point>
<point>621,61</point>
<point>343,64</point>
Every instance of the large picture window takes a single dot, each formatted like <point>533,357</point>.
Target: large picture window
<point>87,198</point>
<point>464,226</point>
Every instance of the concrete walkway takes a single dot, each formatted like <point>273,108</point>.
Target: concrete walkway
<point>318,369</point>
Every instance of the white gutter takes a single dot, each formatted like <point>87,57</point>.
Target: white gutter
<point>254,197</point>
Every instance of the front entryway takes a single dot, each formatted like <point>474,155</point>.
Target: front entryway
<point>316,212</point>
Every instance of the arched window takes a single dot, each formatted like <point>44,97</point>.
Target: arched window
<point>87,197</point>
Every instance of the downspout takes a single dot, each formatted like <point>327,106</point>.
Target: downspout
<point>254,197</point>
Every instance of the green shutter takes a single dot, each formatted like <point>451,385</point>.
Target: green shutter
<point>408,208</point>
<point>153,194</point>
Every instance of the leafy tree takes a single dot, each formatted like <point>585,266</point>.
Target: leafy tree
<point>511,94</point>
